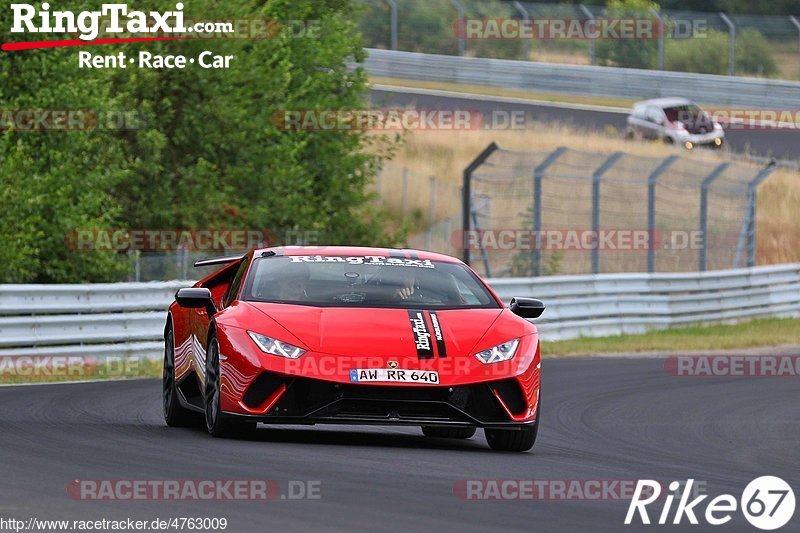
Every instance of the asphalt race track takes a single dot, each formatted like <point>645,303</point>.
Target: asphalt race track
<point>777,143</point>
<point>604,419</point>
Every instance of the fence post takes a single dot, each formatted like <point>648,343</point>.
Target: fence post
<point>392,23</point>
<point>662,30</point>
<point>652,181</point>
<point>431,213</point>
<point>466,197</point>
<point>795,22</point>
<point>462,44</point>
<point>704,187</point>
<point>405,191</point>
<point>526,43</point>
<point>752,196</point>
<point>484,255</point>
<point>596,176</point>
<point>732,51</point>
<point>590,16</point>
<point>538,174</point>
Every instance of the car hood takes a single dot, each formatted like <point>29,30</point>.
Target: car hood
<point>382,332</point>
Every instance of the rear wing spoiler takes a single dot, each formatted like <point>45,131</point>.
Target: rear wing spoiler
<point>218,260</point>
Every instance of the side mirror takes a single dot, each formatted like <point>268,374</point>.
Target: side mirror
<point>196,298</point>
<point>527,307</point>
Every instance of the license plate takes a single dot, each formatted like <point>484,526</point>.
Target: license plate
<point>387,375</point>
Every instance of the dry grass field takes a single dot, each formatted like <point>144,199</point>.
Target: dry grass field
<point>444,154</point>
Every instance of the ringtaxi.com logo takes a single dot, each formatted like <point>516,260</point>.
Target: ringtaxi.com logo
<point>768,503</point>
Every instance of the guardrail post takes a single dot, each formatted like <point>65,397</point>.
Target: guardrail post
<point>662,30</point>
<point>596,177</point>
<point>462,44</point>
<point>590,16</point>
<point>466,197</point>
<point>392,23</point>
<point>732,46</point>
<point>652,181</point>
<point>752,196</point>
<point>704,187</point>
<point>526,43</point>
<point>538,174</point>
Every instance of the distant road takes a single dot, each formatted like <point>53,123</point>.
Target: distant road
<point>778,143</point>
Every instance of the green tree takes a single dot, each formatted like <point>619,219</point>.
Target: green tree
<point>710,54</point>
<point>52,182</point>
<point>630,53</point>
<point>207,152</point>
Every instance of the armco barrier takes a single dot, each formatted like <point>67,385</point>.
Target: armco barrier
<point>127,319</point>
<point>637,84</point>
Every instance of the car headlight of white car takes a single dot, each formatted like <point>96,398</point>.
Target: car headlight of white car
<point>276,347</point>
<point>501,352</point>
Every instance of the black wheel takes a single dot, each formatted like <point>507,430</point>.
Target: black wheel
<point>448,433</point>
<point>175,415</point>
<point>514,440</point>
<point>217,423</point>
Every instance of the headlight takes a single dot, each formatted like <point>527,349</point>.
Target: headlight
<point>501,352</point>
<point>276,347</point>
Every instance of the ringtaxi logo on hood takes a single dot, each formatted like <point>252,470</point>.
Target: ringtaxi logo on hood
<point>119,18</point>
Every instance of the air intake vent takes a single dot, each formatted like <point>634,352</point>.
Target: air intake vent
<point>511,394</point>
<point>261,389</point>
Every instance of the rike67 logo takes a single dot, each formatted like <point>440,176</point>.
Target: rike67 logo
<point>767,502</point>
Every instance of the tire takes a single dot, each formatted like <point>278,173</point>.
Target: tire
<point>514,440</point>
<point>448,433</point>
<point>218,423</point>
<point>175,415</point>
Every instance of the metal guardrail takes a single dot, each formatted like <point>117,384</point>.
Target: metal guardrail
<point>636,84</point>
<point>613,304</point>
<point>98,320</point>
<point>112,319</point>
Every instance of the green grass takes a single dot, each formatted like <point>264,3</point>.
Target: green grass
<point>752,334</point>
<point>134,368</point>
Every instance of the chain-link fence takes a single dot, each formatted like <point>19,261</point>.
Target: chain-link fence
<point>575,212</point>
<point>684,41</point>
<point>566,211</point>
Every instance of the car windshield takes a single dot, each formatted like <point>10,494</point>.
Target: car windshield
<point>365,281</point>
<point>687,114</point>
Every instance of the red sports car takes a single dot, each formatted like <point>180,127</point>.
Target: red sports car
<point>346,335</point>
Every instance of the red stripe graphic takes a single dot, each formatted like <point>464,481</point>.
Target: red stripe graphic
<point>36,45</point>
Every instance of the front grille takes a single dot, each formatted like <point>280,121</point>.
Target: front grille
<point>312,399</point>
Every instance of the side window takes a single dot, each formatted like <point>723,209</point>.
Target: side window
<point>233,290</point>
<point>655,115</point>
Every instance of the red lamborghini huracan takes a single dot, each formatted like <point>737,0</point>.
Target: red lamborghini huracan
<point>312,335</point>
